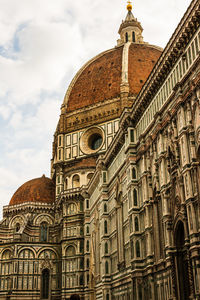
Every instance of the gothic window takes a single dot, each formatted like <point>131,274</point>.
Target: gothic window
<point>137,247</point>
<point>81,205</point>
<point>105,227</point>
<point>106,248</point>
<point>81,280</point>
<point>87,204</point>
<point>129,199</point>
<point>107,297</point>
<point>17,227</point>
<point>190,217</point>
<point>106,267</point>
<point>133,173</point>
<point>133,37</point>
<point>75,181</point>
<point>105,207</point>
<point>66,183</point>
<point>88,263</point>
<point>81,246</point>
<point>131,224</point>
<point>135,198</point>
<point>43,232</point>
<point>88,246</point>
<point>71,209</point>
<point>136,224</point>
<point>81,263</point>
<point>132,249</point>
<point>45,284</point>
<point>126,37</point>
<point>70,251</point>
<point>87,229</point>
<point>89,176</point>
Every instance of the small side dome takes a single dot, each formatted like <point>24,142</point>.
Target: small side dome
<point>40,190</point>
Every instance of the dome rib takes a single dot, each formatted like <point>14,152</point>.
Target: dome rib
<point>100,78</point>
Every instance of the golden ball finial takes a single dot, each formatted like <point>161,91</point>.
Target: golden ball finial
<point>129,6</point>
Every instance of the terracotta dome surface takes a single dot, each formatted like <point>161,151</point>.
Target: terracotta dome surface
<point>100,78</point>
<point>41,190</point>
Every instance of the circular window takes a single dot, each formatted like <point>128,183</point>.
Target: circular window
<point>92,140</point>
<point>95,141</point>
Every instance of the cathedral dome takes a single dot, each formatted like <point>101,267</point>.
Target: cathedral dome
<point>100,79</point>
<point>40,190</point>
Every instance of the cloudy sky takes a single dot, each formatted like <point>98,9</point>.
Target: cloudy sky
<point>43,43</point>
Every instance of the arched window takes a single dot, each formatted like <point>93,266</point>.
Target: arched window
<point>71,209</point>
<point>131,224</point>
<point>137,247</point>
<point>81,246</point>
<point>45,284</point>
<point>105,227</point>
<point>81,280</point>
<point>126,37</point>
<point>106,248</point>
<point>89,176</point>
<point>190,217</point>
<point>107,297</point>
<point>88,263</point>
<point>136,224</point>
<point>70,251</point>
<point>133,37</point>
<point>132,249</point>
<point>76,181</point>
<point>88,246</point>
<point>135,200</point>
<point>87,229</point>
<point>17,227</point>
<point>106,267</point>
<point>133,173</point>
<point>43,232</point>
<point>82,263</point>
<point>66,183</point>
<point>105,207</point>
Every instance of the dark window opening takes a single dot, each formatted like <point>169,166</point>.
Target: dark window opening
<point>126,37</point>
<point>133,37</point>
<point>44,230</point>
<point>95,141</point>
<point>45,284</point>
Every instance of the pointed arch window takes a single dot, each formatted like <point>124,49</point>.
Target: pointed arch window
<point>106,248</point>
<point>132,249</point>
<point>137,247</point>
<point>45,284</point>
<point>106,267</point>
<point>88,263</point>
<point>105,227</point>
<point>133,37</point>
<point>88,246</point>
<point>135,198</point>
<point>44,232</point>
<point>17,227</point>
<point>133,173</point>
<point>126,37</point>
<point>136,224</point>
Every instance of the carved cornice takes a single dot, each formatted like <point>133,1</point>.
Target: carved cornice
<point>170,55</point>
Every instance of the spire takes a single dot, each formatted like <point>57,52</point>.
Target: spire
<point>130,30</point>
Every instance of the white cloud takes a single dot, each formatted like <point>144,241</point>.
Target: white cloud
<point>42,44</point>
